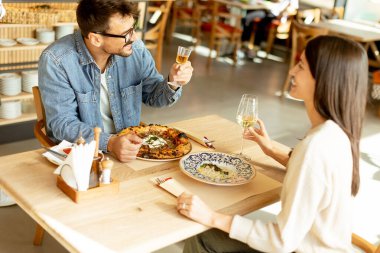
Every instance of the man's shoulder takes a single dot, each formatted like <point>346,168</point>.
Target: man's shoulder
<point>61,48</point>
<point>138,45</point>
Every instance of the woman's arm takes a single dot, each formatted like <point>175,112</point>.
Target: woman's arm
<point>261,137</point>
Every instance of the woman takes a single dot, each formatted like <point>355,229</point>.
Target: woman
<point>322,171</point>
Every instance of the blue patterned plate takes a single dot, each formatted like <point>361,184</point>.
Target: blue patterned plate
<point>217,168</point>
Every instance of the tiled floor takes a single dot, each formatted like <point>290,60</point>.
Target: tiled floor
<point>217,91</point>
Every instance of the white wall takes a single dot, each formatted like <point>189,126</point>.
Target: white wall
<point>363,9</point>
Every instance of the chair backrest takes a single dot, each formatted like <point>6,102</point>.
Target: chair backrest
<point>154,37</point>
<point>338,12</point>
<point>364,245</point>
<point>39,128</point>
<point>186,13</point>
<point>223,22</point>
<point>301,34</point>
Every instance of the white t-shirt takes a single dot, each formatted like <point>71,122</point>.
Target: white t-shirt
<point>105,110</point>
<point>316,199</point>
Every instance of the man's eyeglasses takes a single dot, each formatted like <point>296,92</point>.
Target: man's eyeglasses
<point>127,36</point>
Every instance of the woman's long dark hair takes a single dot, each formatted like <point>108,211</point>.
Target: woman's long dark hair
<point>340,69</point>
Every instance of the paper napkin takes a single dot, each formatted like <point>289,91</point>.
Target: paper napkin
<point>170,185</point>
<point>75,170</point>
<point>58,148</point>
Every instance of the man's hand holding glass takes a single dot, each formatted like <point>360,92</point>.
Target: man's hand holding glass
<point>181,71</point>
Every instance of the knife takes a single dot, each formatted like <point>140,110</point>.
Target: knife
<point>197,138</point>
<point>54,152</point>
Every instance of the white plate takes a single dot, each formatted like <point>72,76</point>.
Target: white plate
<point>240,171</point>
<point>7,42</point>
<point>28,41</point>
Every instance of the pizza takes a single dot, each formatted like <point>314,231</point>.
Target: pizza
<point>160,142</point>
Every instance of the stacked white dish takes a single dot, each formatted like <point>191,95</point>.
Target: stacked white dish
<point>7,42</point>
<point>45,35</point>
<point>63,30</point>
<point>10,84</point>
<point>10,109</point>
<point>29,79</point>
<point>28,41</point>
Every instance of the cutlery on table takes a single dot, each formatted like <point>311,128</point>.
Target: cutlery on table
<point>203,140</point>
<point>55,152</point>
<point>170,184</point>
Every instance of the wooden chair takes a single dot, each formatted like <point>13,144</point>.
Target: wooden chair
<point>39,128</point>
<point>376,88</point>
<point>154,37</point>
<point>186,13</point>
<point>364,245</point>
<point>223,26</point>
<point>308,16</point>
<point>40,134</point>
<point>338,12</point>
<point>300,35</point>
<point>280,28</point>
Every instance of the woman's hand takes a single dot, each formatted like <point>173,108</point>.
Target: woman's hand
<point>261,137</point>
<point>194,208</point>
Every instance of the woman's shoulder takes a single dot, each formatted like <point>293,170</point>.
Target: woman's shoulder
<point>327,132</point>
<point>327,138</point>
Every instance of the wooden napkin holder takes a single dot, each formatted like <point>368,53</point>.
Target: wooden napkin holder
<point>92,193</point>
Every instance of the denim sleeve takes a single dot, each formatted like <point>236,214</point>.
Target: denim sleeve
<point>60,102</point>
<point>156,91</point>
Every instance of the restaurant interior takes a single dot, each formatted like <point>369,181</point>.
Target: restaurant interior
<point>225,68</point>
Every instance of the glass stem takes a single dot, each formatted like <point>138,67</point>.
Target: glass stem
<point>242,143</point>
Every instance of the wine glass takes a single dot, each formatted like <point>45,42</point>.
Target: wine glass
<point>183,54</point>
<point>246,116</point>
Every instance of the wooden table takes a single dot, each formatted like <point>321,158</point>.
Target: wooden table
<point>365,34</point>
<point>141,217</point>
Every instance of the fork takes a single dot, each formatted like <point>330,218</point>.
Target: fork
<point>160,180</point>
<point>208,142</point>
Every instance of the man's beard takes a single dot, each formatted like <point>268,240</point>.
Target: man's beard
<point>121,52</point>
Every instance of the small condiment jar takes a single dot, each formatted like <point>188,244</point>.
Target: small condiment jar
<point>106,167</point>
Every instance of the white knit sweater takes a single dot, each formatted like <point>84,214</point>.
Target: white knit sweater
<point>316,199</point>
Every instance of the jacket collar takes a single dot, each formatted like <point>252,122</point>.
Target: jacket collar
<point>85,57</point>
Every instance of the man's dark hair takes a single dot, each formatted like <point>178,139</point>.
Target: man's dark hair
<point>94,15</point>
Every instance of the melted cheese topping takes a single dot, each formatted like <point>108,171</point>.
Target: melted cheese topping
<point>154,141</point>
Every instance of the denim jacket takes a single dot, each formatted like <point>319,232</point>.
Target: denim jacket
<point>69,81</point>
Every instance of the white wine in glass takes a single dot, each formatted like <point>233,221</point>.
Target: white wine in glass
<point>246,121</point>
<point>182,57</point>
<point>247,115</point>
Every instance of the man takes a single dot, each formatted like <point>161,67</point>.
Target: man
<point>273,9</point>
<point>99,77</point>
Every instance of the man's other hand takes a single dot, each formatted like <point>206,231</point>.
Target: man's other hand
<point>125,147</point>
